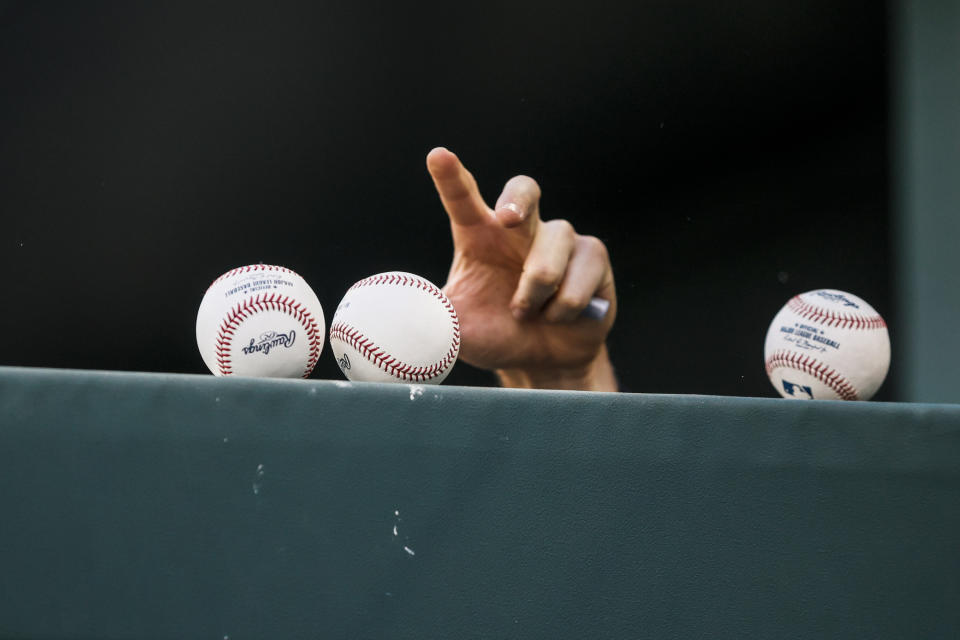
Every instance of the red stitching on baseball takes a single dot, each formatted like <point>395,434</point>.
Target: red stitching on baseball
<point>370,351</point>
<point>791,360</point>
<point>830,318</point>
<point>390,364</point>
<point>263,302</point>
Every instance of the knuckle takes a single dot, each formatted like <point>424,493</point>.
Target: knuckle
<point>529,185</point>
<point>561,227</point>
<point>570,301</point>
<point>521,304</point>
<point>544,276</point>
<point>594,246</point>
<point>525,187</point>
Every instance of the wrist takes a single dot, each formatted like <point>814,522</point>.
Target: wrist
<point>596,375</point>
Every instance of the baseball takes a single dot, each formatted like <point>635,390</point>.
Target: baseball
<point>827,345</point>
<point>260,320</point>
<point>395,327</point>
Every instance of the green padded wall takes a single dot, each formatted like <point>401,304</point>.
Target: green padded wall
<point>926,82</point>
<point>162,506</point>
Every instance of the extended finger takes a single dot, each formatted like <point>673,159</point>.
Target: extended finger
<point>586,276</point>
<point>457,188</point>
<point>518,207</point>
<point>544,267</point>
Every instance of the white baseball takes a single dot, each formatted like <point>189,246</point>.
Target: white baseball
<point>260,320</point>
<point>395,327</point>
<point>827,344</point>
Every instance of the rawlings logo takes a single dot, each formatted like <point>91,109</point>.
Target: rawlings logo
<point>269,340</point>
<point>837,297</point>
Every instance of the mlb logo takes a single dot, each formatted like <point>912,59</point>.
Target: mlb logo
<point>797,390</point>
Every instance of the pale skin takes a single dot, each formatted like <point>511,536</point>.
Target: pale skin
<point>519,284</point>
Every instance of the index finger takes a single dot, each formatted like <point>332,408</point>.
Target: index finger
<point>457,188</point>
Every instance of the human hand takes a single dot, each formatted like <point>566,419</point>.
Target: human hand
<point>520,284</point>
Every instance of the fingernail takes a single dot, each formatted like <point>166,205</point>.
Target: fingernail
<point>507,219</point>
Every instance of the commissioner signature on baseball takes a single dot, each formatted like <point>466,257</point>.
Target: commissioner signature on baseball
<point>270,340</point>
<point>803,343</point>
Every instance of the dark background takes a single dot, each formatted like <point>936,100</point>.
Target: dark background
<point>730,155</point>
